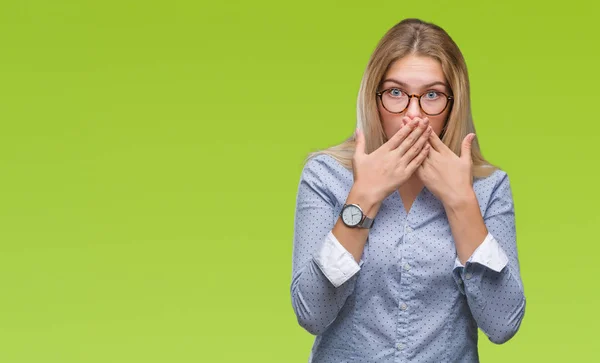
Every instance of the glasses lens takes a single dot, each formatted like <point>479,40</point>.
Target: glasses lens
<point>394,100</point>
<point>433,102</point>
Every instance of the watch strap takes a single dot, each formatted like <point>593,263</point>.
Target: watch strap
<point>366,222</point>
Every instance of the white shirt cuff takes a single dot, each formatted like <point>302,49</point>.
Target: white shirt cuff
<point>489,254</point>
<point>337,264</point>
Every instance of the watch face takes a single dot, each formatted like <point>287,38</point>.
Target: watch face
<point>351,215</point>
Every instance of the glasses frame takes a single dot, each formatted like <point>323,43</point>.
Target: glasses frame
<point>410,97</point>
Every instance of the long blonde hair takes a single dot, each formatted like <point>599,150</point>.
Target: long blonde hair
<point>413,36</point>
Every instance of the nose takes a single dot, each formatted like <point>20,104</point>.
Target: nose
<point>413,109</point>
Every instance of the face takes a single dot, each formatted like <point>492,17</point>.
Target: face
<point>414,75</point>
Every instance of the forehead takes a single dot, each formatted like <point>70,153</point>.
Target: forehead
<point>416,70</point>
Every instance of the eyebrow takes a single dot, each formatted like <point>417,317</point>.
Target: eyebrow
<point>407,86</point>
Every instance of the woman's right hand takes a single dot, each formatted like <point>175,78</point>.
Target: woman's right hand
<point>382,172</point>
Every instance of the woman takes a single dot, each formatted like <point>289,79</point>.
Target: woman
<point>404,236</point>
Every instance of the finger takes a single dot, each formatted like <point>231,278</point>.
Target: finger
<point>433,153</point>
<point>418,160</point>
<point>416,148</point>
<point>421,173</point>
<point>412,138</point>
<point>465,149</point>
<point>360,142</point>
<point>406,119</point>
<point>400,135</point>
<point>436,143</point>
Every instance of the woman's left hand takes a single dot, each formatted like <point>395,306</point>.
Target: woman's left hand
<point>448,176</point>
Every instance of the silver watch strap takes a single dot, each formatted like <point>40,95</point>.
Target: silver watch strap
<point>366,222</point>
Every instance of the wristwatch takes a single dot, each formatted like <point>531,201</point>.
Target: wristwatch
<point>353,217</point>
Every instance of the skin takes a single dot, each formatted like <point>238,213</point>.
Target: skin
<point>413,75</point>
<point>414,157</point>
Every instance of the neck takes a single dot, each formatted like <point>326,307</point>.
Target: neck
<point>412,183</point>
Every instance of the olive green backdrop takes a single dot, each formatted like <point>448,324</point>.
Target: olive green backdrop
<point>150,154</point>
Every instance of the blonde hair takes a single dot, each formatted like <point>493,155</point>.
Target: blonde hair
<point>413,37</point>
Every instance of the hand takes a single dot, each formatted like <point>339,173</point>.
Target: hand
<point>448,176</point>
<point>383,171</point>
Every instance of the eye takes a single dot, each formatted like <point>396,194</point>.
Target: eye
<point>395,92</point>
<point>432,95</point>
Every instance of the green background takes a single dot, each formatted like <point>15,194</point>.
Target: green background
<point>150,154</point>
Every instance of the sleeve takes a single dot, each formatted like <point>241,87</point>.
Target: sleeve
<point>491,279</point>
<point>489,254</point>
<point>323,271</point>
<point>336,263</point>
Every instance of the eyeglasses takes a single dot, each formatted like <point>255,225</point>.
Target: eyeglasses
<point>432,102</point>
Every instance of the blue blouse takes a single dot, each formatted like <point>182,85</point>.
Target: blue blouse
<point>409,299</point>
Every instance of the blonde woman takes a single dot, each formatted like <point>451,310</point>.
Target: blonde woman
<point>404,235</point>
